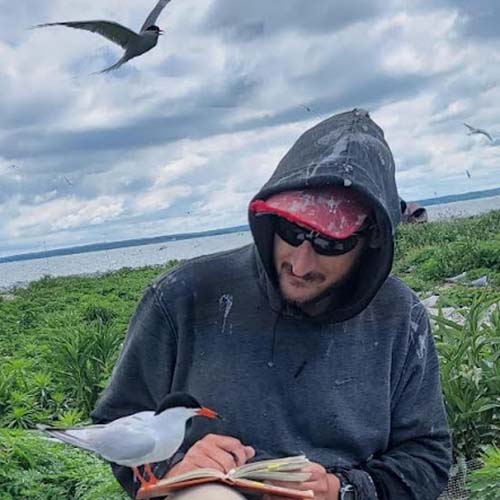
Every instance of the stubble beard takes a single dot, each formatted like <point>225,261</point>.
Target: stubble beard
<point>308,279</point>
<point>312,278</point>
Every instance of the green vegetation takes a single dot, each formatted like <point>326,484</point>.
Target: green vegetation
<point>470,374</point>
<point>33,467</point>
<point>59,339</point>
<point>484,483</point>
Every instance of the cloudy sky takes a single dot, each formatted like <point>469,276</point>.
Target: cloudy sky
<point>181,138</point>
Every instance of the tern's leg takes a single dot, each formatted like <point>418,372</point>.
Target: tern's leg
<point>138,476</point>
<point>151,478</point>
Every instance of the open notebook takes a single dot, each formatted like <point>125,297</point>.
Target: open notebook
<point>247,477</point>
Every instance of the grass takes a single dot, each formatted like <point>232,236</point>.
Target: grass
<point>59,339</point>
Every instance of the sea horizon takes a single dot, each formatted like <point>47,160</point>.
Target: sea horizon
<point>102,246</point>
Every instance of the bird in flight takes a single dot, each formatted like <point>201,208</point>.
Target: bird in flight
<point>138,439</point>
<point>135,44</point>
<point>474,130</point>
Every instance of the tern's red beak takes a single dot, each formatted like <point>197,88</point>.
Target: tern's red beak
<point>206,412</point>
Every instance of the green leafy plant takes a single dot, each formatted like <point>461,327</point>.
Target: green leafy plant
<point>470,373</point>
<point>33,467</point>
<point>484,483</point>
<point>85,355</point>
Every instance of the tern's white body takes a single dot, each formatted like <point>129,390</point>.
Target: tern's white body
<point>134,440</point>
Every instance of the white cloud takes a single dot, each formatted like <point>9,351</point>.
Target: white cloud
<point>182,137</point>
<point>61,214</point>
<point>160,198</point>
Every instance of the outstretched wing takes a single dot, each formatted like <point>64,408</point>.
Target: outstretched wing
<point>487,135</point>
<point>112,31</point>
<point>154,14</point>
<point>472,129</point>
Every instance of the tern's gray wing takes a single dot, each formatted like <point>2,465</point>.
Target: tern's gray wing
<point>121,443</point>
<point>472,129</point>
<point>487,135</point>
<point>112,31</point>
<point>154,14</point>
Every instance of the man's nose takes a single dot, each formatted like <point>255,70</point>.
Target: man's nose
<point>303,259</point>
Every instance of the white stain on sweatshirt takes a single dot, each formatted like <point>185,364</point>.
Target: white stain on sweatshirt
<point>421,341</point>
<point>421,346</point>
<point>226,304</point>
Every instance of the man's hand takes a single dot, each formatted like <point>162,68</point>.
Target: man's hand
<point>325,486</point>
<point>216,452</point>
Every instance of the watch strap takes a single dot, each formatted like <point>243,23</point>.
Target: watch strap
<point>347,489</point>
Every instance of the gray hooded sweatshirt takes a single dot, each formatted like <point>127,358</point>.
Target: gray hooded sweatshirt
<point>354,386</point>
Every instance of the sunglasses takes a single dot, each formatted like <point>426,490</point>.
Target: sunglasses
<point>323,245</point>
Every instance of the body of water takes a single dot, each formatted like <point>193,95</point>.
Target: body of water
<point>21,272</point>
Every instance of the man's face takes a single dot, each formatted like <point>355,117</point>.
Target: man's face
<point>304,274</point>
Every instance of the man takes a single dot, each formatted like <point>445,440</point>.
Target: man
<point>302,340</point>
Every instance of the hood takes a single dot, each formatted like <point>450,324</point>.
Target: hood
<point>347,150</point>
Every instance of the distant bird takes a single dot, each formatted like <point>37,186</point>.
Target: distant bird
<point>480,282</point>
<point>468,173</point>
<point>430,302</point>
<point>307,108</point>
<point>135,44</point>
<point>139,439</point>
<point>474,130</point>
<point>67,180</point>
<point>457,278</point>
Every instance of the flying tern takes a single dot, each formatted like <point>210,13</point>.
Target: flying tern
<point>139,439</point>
<point>474,130</point>
<point>135,44</point>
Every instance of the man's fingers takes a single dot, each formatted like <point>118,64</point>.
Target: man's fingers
<point>225,459</point>
<point>203,461</point>
<point>240,453</point>
<point>294,485</point>
<point>316,470</point>
<point>222,441</point>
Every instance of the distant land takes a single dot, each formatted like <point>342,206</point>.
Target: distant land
<point>96,247</point>
<point>472,195</point>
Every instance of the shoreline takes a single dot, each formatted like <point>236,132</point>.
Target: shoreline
<point>19,274</point>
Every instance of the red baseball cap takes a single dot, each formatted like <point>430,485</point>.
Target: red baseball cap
<point>336,212</point>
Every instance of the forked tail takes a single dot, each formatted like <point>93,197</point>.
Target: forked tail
<point>112,68</point>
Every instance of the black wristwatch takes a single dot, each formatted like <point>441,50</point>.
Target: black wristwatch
<point>347,489</point>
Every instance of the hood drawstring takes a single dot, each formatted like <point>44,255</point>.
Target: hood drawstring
<point>270,363</point>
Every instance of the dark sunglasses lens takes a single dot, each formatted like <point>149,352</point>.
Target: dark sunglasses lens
<point>290,233</point>
<point>295,236</point>
<point>326,246</point>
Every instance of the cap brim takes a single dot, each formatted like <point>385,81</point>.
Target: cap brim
<point>332,212</point>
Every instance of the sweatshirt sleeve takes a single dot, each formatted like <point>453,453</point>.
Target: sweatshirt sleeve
<point>142,375</point>
<point>417,461</point>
